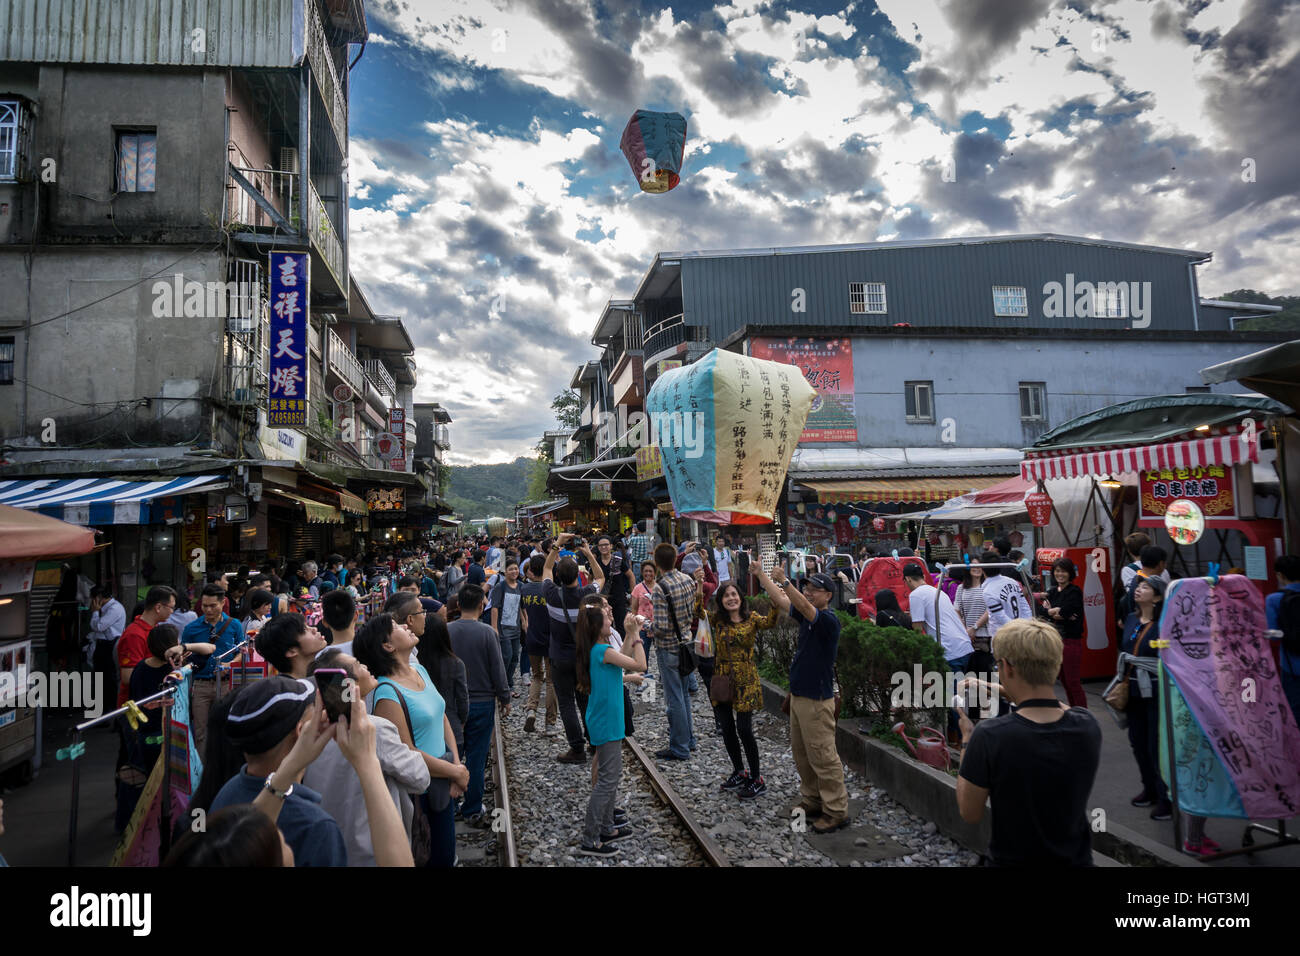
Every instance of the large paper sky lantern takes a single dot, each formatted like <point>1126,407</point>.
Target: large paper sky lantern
<point>726,427</point>
<point>655,144</point>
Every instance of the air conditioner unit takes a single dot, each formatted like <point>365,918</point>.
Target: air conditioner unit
<point>288,159</point>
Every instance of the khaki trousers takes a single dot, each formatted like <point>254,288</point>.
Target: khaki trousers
<point>202,695</point>
<point>812,739</point>
<point>542,675</point>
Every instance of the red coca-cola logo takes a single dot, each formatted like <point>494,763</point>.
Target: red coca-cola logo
<point>1039,506</point>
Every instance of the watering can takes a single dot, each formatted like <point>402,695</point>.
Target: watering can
<point>930,747</point>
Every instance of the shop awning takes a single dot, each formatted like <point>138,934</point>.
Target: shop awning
<point>1219,450</point>
<point>317,512</point>
<point>1274,372</point>
<point>900,490</point>
<point>27,535</point>
<point>352,504</point>
<point>98,501</point>
<point>549,508</point>
<point>449,522</point>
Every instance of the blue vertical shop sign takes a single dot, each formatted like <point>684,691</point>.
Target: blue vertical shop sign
<point>287,405</point>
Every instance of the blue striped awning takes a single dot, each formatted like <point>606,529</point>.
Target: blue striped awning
<point>98,501</point>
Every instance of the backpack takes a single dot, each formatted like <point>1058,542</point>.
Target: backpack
<point>1288,621</point>
<point>1123,595</point>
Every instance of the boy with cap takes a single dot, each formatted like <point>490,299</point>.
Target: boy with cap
<point>265,722</point>
<point>812,696</point>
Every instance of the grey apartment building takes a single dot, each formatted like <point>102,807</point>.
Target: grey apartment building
<point>152,155</point>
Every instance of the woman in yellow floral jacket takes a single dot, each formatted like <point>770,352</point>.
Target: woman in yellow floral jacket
<point>735,634</point>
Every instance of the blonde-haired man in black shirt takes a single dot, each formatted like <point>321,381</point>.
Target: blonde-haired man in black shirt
<point>1037,763</point>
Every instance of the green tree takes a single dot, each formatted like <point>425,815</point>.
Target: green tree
<point>567,408</point>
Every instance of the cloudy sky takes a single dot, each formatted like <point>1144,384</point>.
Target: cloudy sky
<point>492,208</point>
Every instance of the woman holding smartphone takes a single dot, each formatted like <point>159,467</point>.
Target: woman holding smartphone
<point>600,670</point>
<point>407,698</point>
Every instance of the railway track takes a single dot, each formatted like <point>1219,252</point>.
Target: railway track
<point>523,819</point>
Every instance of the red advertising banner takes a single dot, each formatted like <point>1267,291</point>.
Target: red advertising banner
<point>1208,486</point>
<point>827,364</point>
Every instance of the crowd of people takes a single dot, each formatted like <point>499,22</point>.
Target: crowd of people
<point>362,732</point>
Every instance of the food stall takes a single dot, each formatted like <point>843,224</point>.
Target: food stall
<point>25,538</point>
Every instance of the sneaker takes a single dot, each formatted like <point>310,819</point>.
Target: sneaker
<point>605,849</point>
<point>620,818</point>
<point>1163,811</point>
<point>575,755</point>
<point>1141,800</point>
<point>753,788</point>
<point>737,780</point>
<point>1201,849</point>
<point>530,724</point>
<point>620,833</point>
<point>667,754</point>
<point>550,730</point>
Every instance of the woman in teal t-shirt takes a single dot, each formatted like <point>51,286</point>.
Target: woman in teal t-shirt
<point>600,674</point>
<point>420,715</point>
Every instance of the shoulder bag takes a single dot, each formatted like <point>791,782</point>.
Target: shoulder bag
<point>439,796</point>
<point>1116,695</point>
<point>686,662</point>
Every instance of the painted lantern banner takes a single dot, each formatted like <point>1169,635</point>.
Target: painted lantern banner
<point>1236,744</point>
<point>827,365</point>
<point>287,394</point>
<point>1039,506</point>
<point>746,415</point>
<point>1208,486</point>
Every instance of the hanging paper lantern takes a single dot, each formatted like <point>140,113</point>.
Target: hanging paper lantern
<point>976,537</point>
<point>655,144</point>
<point>830,515</point>
<point>878,524</point>
<point>854,521</point>
<point>709,420</point>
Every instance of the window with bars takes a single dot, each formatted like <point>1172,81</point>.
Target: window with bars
<point>1033,401</point>
<point>867,298</point>
<point>1010,300</point>
<point>920,402</point>
<point>1110,300</point>
<point>137,161</point>
<point>15,138</point>
<point>7,360</point>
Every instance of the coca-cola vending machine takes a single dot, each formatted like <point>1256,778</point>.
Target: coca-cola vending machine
<point>1099,644</point>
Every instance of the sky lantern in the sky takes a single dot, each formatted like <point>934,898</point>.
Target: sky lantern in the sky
<point>654,144</point>
<point>726,427</point>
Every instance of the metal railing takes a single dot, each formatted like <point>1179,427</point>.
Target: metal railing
<point>670,332</point>
<point>327,77</point>
<point>340,358</point>
<point>324,238</point>
<point>247,322</point>
<point>381,378</point>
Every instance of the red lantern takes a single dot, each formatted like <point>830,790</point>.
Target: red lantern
<point>1039,506</point>
<point>878,524</point>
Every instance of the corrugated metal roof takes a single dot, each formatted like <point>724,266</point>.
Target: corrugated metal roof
<point>904,490</point>
<point>247,33</point>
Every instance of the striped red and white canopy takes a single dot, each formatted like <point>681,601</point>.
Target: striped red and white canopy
<point>1232,449</point>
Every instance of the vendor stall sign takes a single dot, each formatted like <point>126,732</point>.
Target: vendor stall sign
<point>827,365</point>
<point>386,499</point>
<point>1184,521</point>
<point>649,465</point>
<point>287,394</point>
<point>1209,486</point>
<point>1039,506</point>
<point>602,490</point>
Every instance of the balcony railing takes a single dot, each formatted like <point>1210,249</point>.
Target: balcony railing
<point>324,238</point>
<point>671,332</point>
<point>327,77</point>
<point>381,377</point>
<point>343,362</point>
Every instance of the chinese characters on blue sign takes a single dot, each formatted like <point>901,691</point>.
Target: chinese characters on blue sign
<point>289,295</point>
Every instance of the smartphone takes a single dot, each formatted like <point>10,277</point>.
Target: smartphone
<point>330,682</point>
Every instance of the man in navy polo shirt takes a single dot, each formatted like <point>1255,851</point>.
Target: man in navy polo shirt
<point>812,696</point>
<point>223,632</point>
<point>264,722</point>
